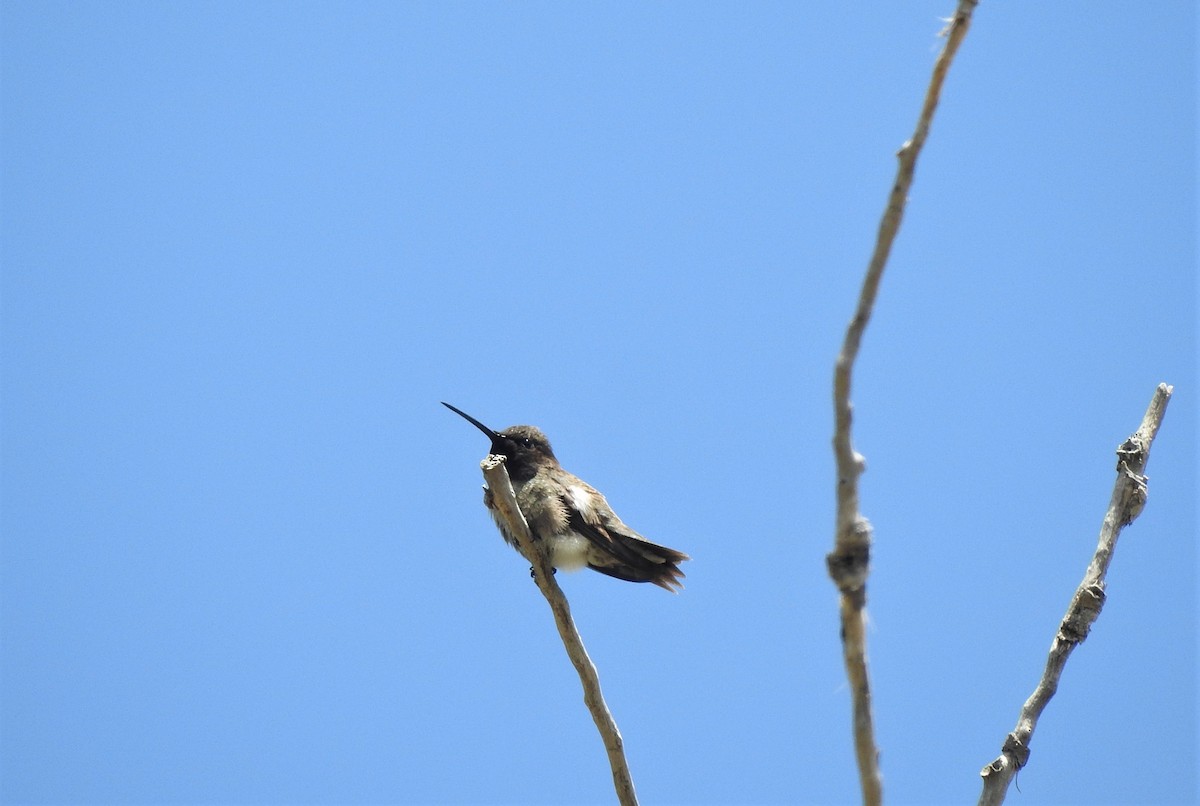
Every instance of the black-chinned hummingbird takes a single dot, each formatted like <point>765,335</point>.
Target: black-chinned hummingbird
<point>570,517</point>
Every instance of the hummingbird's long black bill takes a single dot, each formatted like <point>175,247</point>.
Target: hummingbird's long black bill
<point>497,441</point>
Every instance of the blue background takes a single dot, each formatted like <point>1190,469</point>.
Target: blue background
<point>247,248</point>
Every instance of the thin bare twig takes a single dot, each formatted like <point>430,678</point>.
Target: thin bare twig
<point>850,560</point>
<point>505,501</point>
<point>1128,499</point>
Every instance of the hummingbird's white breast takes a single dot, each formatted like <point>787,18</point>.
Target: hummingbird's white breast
<point>569,552</point>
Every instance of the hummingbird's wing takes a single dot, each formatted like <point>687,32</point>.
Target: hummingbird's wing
<point>617,550</point>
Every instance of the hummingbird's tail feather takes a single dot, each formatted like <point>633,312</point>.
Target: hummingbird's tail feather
<point>639,560</point>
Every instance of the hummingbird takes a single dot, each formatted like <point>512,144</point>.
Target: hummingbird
<point>570,517</point>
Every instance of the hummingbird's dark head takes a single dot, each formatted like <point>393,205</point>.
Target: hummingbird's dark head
<point>524,446</point>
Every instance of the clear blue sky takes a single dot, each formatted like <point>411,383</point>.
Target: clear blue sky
<point>247,248</point>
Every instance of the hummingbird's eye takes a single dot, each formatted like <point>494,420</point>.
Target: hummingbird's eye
<point>526,442</point>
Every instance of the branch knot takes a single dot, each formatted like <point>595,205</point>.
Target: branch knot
<point>1131,452</point>
<point>1016,750</point>
<point>850,561</point>
<point>1085,609</point>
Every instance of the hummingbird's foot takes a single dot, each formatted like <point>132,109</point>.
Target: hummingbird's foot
<point>533,572</point>
<point>487,498</point>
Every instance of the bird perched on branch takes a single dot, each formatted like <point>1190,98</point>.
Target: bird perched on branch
<point>570,517</point>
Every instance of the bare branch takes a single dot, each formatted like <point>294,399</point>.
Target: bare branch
<point>1128,499</point>
<point>850,560</point>
<point>505,501</point>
